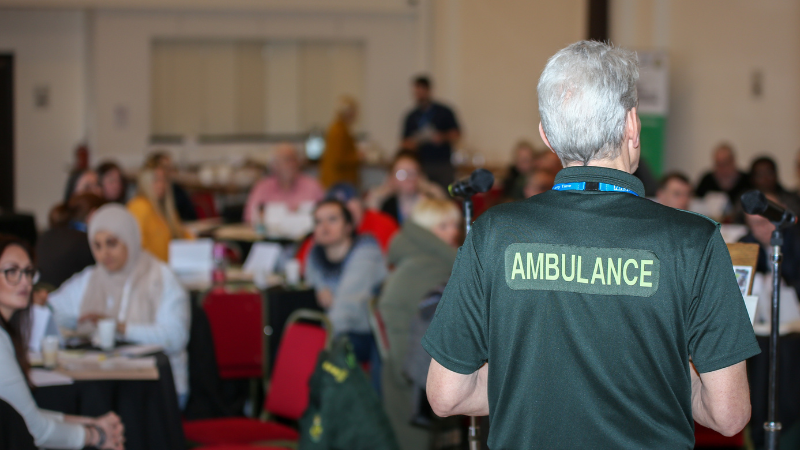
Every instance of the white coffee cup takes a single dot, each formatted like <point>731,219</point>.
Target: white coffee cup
<point>293,272</point>
<point>50,352</point>
<point>106,329</point>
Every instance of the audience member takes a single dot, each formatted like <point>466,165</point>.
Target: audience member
<point>285,184</point>
<point>725,176</point>
<point>130,286</point>
<point>346,271</point>
<point>524,164</point>
<point>64,250</point>
<point>797,173</point>
<point>113,183</point>
<point>422,254</point>
<point>154,209</point>
<point>405,185</point>
<point>341,163</point>
<point>537,182</point>
<point>183,202</point>
<point>368,221</point>
<point>675,191</point>
<point>760,232</point>
<point>549,162</point>
<point>431,129</point>
<point>764,177</point>
<point>82,181</point>
<point>49,429</point>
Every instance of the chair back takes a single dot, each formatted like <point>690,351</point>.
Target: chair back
<point>295,362</point>
<point>378,329</point>
<point>237,328</point>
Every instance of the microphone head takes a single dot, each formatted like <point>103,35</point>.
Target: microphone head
<point>481,180</point>
<point>754,202</point>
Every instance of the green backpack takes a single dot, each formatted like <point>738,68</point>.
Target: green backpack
<point>344,411</point>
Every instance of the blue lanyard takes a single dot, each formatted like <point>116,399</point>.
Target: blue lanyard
<point>80,226</point>
<point>592,186</point>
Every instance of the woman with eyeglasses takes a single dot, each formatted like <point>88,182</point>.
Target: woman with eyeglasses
<point>131,286</point>
<point>49,429</point>
<point>403,188</point>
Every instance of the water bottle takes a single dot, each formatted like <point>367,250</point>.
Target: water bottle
<point>218,273</point>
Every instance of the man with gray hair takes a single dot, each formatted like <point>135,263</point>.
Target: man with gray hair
<point>588,316</point>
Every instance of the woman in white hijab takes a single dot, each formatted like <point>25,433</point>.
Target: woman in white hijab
<point>131,286</point>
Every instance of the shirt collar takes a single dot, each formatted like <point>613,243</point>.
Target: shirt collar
<point>601,175</point>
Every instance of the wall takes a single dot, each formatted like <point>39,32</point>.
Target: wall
<point>487,60</point>
<point>715,47</point>
<point>120,53</point>
<point>49,50</point>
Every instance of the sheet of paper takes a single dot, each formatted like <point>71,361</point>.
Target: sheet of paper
<point>284,222</point>
<point>42,378</point>
<point>138,350</point>
<point>750,301</point>
<point>191,256</point>
<point>262,258</point>
<point>40,318</point>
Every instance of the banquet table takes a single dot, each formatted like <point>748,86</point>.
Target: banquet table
<point>148,408</point>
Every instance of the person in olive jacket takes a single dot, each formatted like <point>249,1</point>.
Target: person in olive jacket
<point>422,254</point>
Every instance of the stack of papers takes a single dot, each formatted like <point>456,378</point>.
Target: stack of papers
<point>43,378</point>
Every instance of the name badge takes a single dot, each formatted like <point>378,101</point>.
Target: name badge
<point>584,270</point>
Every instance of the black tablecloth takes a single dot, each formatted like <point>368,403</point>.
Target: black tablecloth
<point>148,409</point>
<point>788,385</point>
<point>282,303</point>
<point>13,431</point>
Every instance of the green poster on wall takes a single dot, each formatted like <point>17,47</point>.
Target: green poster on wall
<point>653,90</point>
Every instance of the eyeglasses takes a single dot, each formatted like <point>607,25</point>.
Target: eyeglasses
<point>14,275</point>
<point>403,174</point>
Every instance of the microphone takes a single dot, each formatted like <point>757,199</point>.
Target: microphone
<point>480,180</point>
<point>755,203</point>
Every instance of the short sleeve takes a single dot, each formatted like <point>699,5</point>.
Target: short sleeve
<point>409,125</point>
<point>720,332</point>
<point>457,336</point>
<point>449,121</point>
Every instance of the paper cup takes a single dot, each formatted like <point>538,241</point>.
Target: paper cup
<point>50,352</point>
<point>106,329</point>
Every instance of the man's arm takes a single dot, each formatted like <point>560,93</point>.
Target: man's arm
<point>721,399</point>
<point>451,393</point>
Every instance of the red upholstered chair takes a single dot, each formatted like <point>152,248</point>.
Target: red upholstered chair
<point>708,438</point>
<point>237,327</point>
<point>242,447</point>
<point>288,392</point>
<point>204,204</point>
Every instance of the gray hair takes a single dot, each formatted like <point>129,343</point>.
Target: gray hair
<point>585,92</point>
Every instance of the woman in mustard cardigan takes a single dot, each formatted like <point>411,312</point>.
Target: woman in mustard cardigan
<point>340,163</point>
<point>154,209</point>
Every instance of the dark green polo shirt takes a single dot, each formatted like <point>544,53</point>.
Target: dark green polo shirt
<point>587,305</point>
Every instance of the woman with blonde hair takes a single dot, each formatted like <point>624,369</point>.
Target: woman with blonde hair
<point>154,209</point>
<point>422,253</point>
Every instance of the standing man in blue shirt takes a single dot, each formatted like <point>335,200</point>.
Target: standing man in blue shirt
<point>431,129</point>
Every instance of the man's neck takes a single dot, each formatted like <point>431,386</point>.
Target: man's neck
<point>337,252</point>
<point>617,163</point>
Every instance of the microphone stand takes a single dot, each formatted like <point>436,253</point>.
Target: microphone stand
<point>474,437</point>
<point>772,426</point>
